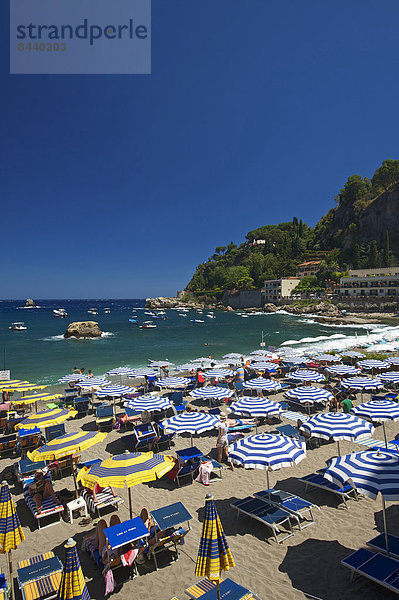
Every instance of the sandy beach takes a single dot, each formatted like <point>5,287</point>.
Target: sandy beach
<point>309,561</point>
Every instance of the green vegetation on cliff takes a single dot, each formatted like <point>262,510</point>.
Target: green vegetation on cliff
<point>360,232</point>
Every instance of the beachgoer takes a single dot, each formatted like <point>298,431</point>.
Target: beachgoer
<point>97,489</point>
<point>75,370</point>
<point>40,490</point>
<point>82,369</point>
<point>239,374</point>
<point>222,441</point>
<point>346,405</point>
<point>333,406</point>
<point>90,374</point>
<point>200,378</point>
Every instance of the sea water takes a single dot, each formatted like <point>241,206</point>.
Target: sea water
<point>41,354</point>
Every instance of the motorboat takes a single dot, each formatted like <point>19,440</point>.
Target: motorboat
<point>93,311</point>
<point>132,320</point>
<point>18,326</point>
<point>107,311</point>
<point>147,325</point>
<point>60,312</point>
<point>196,321</point>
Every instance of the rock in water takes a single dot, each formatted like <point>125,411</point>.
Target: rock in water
<point>30,303</point>
<point>83,329</point>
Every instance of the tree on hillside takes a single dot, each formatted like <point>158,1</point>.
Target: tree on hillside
<point>373,255</point>
<point>386,175</point>
<point>354,189</point>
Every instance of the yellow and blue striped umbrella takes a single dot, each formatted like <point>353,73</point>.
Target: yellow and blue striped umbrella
<point>128,469</point>
<point>214,555</point>
<point>66,445</point>
<point>6,383</point>
<point>72,586</point>
<point>11,534</point>
<point>46,418</point>
<point>36,398</point>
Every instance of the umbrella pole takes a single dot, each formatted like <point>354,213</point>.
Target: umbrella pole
<point>385,525</point>
<point>74,476</point>
<point>339,449</point>
<point>385,435</point>
<point>192,444</point>
<point>130,504</point>
<point>218,589</point>
<point>268,483</point>
<point>11,575</point>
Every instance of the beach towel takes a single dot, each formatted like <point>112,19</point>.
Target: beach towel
<point>128,558</point>
<point>109,582</point>
<point>204,474</point>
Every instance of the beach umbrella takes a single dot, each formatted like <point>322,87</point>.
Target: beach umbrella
<point>361,384</point>
<point>93,382</point>
<point>305,375</point>
<point>190,422</point>
<point>10,382</point>
<point>379,411</point>
<point>144,372</point>
<point>337,426</point>
<point>23,387</point>
<point>11,534</point>
<point>394,360</point>
<point>73,377</point>
<point>234,355</point>
<point>327,358</point>
<point>186,367</point>
<point>173,382</point>
<point>211,391</point>
<point>296,360</point>
<point>309,394</point>
<point>149,402</point>
<point>342,370</point>
<point>353,354</point>
<point>266,451</point>
<point>121,371</point>
<point>130,468</point>
<point>371,473</point>
<point>256,407</point>
<point>264,366</point>
<point>36,397</point>
<point>390,377</point>
<point>72,585</point>
<point>214,555</point>
<point>114,391</point>
<point>160,363</point>
<point>46,418</point>
<point>371,365</point>
<point>260,383</point>
<point>219,373</point>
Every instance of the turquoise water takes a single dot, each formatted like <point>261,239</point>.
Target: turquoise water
<point>42,355</point>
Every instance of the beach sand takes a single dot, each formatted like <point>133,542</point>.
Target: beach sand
<point>309,561</point>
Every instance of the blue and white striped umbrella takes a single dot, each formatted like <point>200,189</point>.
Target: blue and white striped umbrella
<point>370,365</point>
<point>362,384</point>
<point>173,382</point>
<point>260,352</point>
<point>308,394</point>
<point>114,391</point>
<point>93,382</point>
<point>186,367</point>
<point>256,407</point>
<point>233,355</point>
<point>296,360</point>
<point>121,371</point>
<point>190,422</point>
<point>260,383</point>
<point>379,411</point>
<point>394,360</point>
<point>370,473</point>
<point>390,377</point>
<point>211,391</point>
<point>149,402</point>
<point>305,375</point>
<point>264,366</point>
<point>327,358</point>
<point>266,451</point>
<point>219,373</point>
<point>338,426</point>
<point>144,372</point>
<point>160,363</point>
<point>353,354</point>
<point>73,377</point>
<point>343,370</point>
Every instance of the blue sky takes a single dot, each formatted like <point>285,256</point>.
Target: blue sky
<point>255,111</point>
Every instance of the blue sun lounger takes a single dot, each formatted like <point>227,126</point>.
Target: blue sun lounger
<point>317,480</point>
<point>271,516</point>
<point>376,567</point>
<point>170,533</point>
<point>301,509</point>
<point>378,543</point>
<point>229,590</point>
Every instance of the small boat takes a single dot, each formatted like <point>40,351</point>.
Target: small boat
<point>60,312</point>
<point>132,320</point>
<point>210,316</point>
<point>93,311</point>
<point>107,311</point>
<point>196,321</point>
<point>181,315</point>
<point>147,325</point>
<point>18,326</point>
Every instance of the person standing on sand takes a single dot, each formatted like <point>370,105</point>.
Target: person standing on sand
<point>223,442</point>
<point>346,405</point>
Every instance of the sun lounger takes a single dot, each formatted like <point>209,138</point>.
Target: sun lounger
<point>25,469</point>
<point>289,431</point>
<point>104,500</point>
<point>229,590</point>
<point>121,538</point>
<point>3,587</point>
<point>144,437</point>
<point>105,417</point>
<point>375,566</point>
<point>378,543</point>
<point>297,506</point>
<point>271,516</point>
<point>8,444</point>
<point>317,480</point>
<point>39,577</point>
<point>189,460</point>
<point>170,534</point>
<point>49,509</point>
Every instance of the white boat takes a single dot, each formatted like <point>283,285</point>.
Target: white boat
<point>147,325</point>
<point>60,312</point>
<point>196,321</point>
<point>107,311</point>
<point>210,316</point>
<point>18,326</point>
<point>93,311</point>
